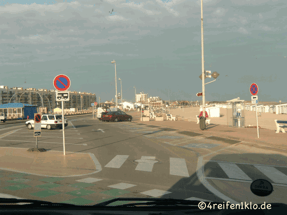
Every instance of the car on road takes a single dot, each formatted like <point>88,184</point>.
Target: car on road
<point>115,116</point>
<point>48,121</point>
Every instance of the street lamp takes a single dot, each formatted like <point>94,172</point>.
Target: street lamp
<point>121,90</point>
<point>135,94</point>
<point>113,61</point>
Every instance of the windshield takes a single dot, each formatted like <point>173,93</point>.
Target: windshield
<point>196,113</point>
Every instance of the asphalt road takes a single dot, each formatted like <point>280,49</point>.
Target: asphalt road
<point>136,161</point>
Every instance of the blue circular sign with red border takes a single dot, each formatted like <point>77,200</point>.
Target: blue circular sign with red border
<point>254,89</point>
<point>62,82</point>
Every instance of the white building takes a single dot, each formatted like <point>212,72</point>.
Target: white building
<point>141,97</point>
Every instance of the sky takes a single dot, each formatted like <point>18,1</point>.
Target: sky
<point>156,45</point>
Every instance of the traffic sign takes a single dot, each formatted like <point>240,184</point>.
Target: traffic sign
<point>37,118</point>
<point>96,103</point>
<point>92,104</point>
<point>62,96</point>
<point>37,125</point>
<point>254,89</point>
<point>198,94</point>
<point>62,82</point>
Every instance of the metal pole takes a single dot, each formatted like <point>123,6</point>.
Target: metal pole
<point>100,101</point>
<point>116,85</point>
<point>63,127</point>
<point>37,142</point>
<point>257,121</point>
<point>121,91</point>
<point>141,112</point>
<point>202,64</point>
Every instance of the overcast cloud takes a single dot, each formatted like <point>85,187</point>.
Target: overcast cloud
<point>156,44</point>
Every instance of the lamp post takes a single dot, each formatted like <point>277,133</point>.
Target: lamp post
<point>135,94</point>
<point>202,63</point>
<point>116,82</point>
<point>121,90</point>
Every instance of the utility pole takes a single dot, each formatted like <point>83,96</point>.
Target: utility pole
<point>202,63</point>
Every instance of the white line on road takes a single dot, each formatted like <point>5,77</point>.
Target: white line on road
<point>202,179</point>
<point>178,167</point>
<point>11,127</point>
<point>8,133</point>
<point>117,161</point>
<point>42,142</point>
<point>233,171</point>
<point>49,137</point>
<point>272,173</point>
<point>72,124</point>
<point>146,163</point>
<point>101,130</point>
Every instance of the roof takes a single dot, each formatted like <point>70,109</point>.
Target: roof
<point>14,105</point>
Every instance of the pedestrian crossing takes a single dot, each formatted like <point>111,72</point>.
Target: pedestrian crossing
<point>245,172</point>
<point>178,166</point>
<point>220,170</point>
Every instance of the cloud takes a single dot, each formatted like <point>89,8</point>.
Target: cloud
<point>242,30</point>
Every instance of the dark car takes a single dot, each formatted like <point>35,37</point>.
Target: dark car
<point>103,113</point>
<point>116,116</point>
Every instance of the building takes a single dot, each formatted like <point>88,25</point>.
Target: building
<point>44,98</point>
<point>141,97</point>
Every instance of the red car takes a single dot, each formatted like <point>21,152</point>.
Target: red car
<point>116,116</point>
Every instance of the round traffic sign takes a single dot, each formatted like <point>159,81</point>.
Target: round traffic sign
<point>254,89</point>
<point>38,118</point>
<point>62,82</point>
<point>96,103</point>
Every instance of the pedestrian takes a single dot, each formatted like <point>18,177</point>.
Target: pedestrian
<point>201,114</point>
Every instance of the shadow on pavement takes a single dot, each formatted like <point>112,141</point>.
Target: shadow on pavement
<point>232,175</point>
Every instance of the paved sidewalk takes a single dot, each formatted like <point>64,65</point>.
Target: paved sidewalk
<point>268,139</point>
<point>49,163</point>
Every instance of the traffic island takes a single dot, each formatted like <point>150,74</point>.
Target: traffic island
<point>51,163</point>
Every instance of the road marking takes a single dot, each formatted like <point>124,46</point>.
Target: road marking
<point>233,171</point>
<point>72,124</point>
<point>272,173</point>
<point>202,179</point>
<point>42,142</point>
<point>3,195</point>
<point>155,193</point>
<point>48,137</point>
<point>122,186</point>
<point>89,180</point>
<point>8,133</point>
<point>244,163</point>
<point>101,130</point>
<point>146,163</point>
<point>178,167</point>
<point>11,127</point>
<point>117,161</point>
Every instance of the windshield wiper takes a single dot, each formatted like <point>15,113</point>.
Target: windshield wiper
<point>152,202</point>
<point>31,202</point>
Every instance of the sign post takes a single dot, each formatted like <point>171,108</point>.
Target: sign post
<point>94,105</point>
<point>37,127</point>
<point>254,90</point>
<point>62,83</point>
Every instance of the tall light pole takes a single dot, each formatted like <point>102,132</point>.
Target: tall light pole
<point>116,82</point>
<point>121,90</point>
<point>202,64</point>
<point>135,94</point>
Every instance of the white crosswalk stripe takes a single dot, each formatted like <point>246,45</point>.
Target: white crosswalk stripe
<point>178,167</point>
<point>233,171</point>
<point>117,161</point>
<point>272,173</point>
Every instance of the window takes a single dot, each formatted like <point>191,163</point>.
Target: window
<point>51,117</point>
<point>44,118</point>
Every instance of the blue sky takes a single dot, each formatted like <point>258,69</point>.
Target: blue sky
<point>156,45</point>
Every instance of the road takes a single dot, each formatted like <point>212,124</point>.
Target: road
<point>136,160</point>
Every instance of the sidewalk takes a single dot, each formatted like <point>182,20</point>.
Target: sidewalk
<point>267,139</point>
<point>49,163</point>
